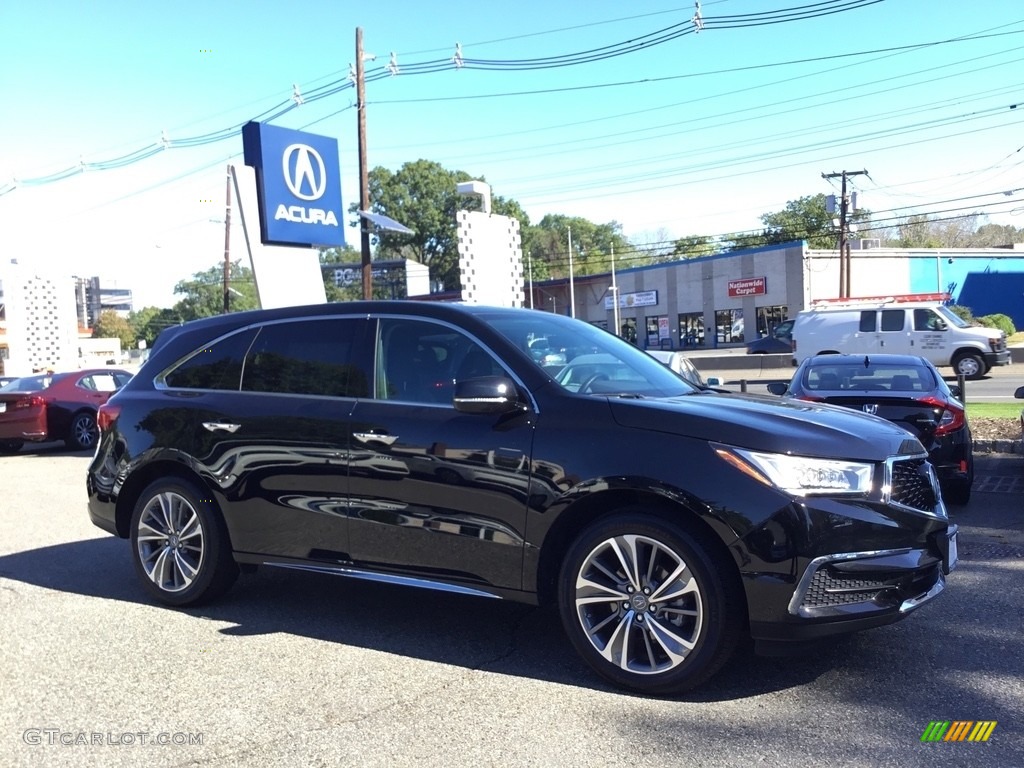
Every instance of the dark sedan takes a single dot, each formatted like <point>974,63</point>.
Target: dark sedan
<point>904,389</point>
<point>423,444</point>
<point>56,406</point>
<point>779,341</point>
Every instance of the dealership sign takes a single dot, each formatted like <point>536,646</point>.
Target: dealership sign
<point>748,286</point>
<point>639,299</point>
<point>298,184</point>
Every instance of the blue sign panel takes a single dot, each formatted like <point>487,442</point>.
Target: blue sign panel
<point>298,184</point>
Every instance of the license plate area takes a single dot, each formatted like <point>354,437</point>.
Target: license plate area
<point>949,549</point>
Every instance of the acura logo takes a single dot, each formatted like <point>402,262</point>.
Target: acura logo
<point>306,177</point>
<point>871,408</point>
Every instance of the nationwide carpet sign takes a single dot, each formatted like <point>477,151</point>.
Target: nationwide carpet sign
<point>298,185</point>
<point>748,286</point>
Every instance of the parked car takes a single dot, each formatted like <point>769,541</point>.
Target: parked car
<point>779,341</point>
<point>56,406</point>
<point>664,522</point>
<point>680,364</point>
<point>904,389</point>
<point>1019,394</point>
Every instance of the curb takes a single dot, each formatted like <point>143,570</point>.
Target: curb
<point>999,446</point>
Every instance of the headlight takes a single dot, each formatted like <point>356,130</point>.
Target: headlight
<point>801,475</point>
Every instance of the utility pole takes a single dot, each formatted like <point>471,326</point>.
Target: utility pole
<point>227,246</point>
<point>844,244</point>
<point>364,176</point>
<point>615,296</point>
<point>572,290</point>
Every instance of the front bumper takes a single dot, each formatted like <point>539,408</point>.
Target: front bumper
<point>997,358</point>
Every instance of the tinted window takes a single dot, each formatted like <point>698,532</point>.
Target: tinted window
<point>419,361</point>
<point>892,319</point>
<point>101,382</point>
<point>218,366</point>
<point>309,357</point>
<point>867,321</point>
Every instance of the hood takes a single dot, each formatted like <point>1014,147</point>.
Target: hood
<point>769,424</point>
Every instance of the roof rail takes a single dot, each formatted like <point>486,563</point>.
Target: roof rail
<point>892,299</point>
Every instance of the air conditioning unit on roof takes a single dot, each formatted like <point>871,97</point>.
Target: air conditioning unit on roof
<point>864,245</point>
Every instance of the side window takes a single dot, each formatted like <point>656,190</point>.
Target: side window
<point>926,320</point>
<point>218,366</point>
<point>307,357</point>
<point>867,321</point>
<point>418,361</point>
<point>892,319</point>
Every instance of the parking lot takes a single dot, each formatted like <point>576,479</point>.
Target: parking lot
<point>295,669</point>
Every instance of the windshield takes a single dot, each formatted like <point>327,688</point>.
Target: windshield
<point>29,383</point>
<point>952,317</point>
<point>595,362</point>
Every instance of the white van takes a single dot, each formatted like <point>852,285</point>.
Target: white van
<point>915,324</point>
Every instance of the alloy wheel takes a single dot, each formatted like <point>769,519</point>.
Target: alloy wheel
<point>639,604</point>
<point>170,542</point>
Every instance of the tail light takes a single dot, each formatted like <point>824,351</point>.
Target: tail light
<point>106,416</point>
<point>32,401</point>
<point>952,418</point>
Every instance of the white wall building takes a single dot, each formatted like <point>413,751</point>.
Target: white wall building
<point>41,321</point>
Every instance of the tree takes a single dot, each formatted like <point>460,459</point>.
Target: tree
<point>803,219</point>
<point>110,325</point>
<point>421,195</point>
<point>204,293</point>
<point>592,246</point>
<point>694,246</point>
<point>922,231</point>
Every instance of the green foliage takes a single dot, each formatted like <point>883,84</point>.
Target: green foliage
<point>110,325</point>
<point>1002,322</point>
<point>803,219</point>
<point>964,313</point>
<point>547,242</point>
<point>694,246</point>
<point>421,195</point>
<point>203,295</point>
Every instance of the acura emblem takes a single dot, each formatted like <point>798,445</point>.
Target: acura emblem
<point>871,408</point>
<point>301,175</point>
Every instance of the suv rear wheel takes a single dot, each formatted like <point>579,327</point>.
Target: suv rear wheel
<point>647,606</point>
<point>179,545</point>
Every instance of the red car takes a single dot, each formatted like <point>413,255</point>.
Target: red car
<point>56,406</point>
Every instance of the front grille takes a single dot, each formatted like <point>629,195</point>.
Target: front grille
<point>912,484</point>
<point>831,590</point>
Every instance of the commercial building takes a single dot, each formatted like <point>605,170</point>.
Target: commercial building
<point>731,298</point>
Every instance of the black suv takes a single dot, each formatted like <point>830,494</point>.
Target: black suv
<point>422,444</point>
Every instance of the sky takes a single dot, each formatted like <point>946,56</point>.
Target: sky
<point>618,112</point>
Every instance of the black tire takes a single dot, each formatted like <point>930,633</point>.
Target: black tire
<point>11,446</point>
<point>83,432</point>
<point>970,365</point>
<point>669,646</point>
<point>183,556</point>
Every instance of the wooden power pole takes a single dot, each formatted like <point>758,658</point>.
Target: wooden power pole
<point>364,176</point>
<point>844,229</point>
<point>227,245</point>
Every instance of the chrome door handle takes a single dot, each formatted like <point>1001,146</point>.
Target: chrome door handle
<point>221,426</point>
<point>374,437</point>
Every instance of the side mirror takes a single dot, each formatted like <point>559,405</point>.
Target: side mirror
<point>1019,394</point>
<point>714,381</point>
<point>778,387</point>
<point>486,394</point>
<point>955,390</point>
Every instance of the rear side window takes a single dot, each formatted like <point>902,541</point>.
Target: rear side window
<point>218,366</point>
<point>867,321</point>
<point>892,319</point>
<point>307,357</point>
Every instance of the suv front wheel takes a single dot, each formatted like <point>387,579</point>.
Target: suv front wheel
<point>647,606</point>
